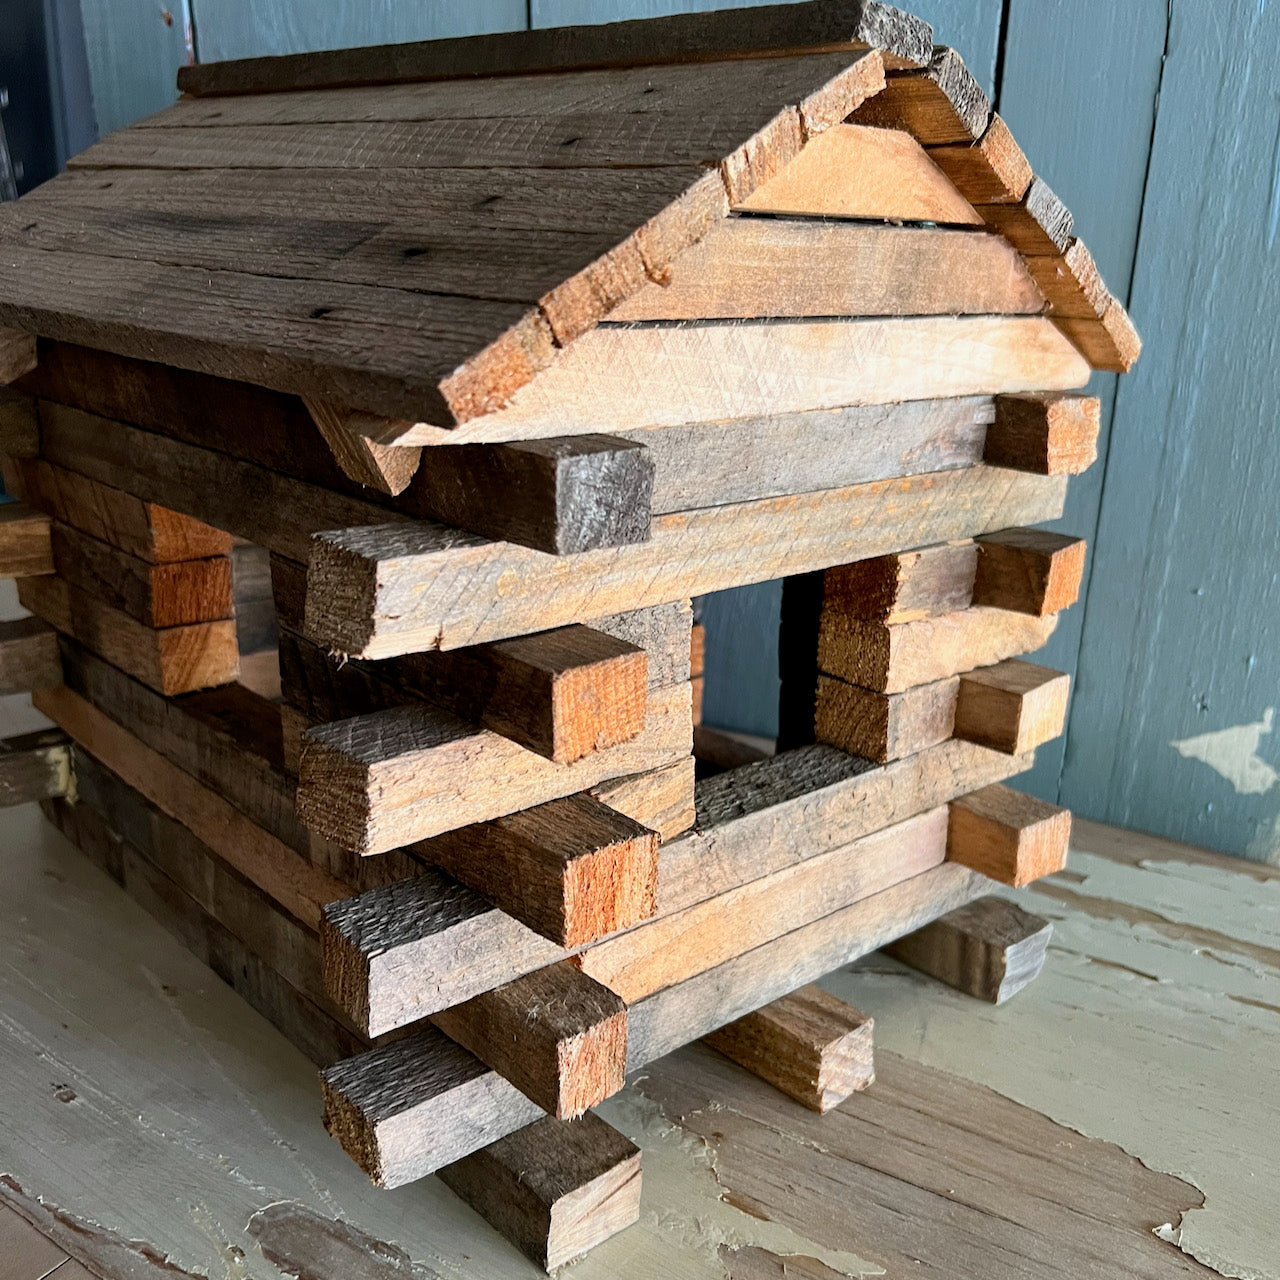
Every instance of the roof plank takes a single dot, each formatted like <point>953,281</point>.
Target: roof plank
<point>815,26</point>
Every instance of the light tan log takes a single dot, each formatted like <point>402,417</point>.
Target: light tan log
<point>171,661</point>
<point>663,952</point>
<point>885,726</point>
<point>904,586</point>
<point>989,949</point>
<point>17,354</point>
<point>661,799</point>
<point>29,658</point>
<point>26,548</point>
<point>658,376</point>
<point>404,1110</point>
<point>555,1189</point>
<point>1029,571</point>
<point>387,468</point>
<point>384,780</point>
<point>761,267</point>
<point>852,171</point>
<point>1014,706</point>
<point>556,1035</point>
<point>573,869</point>
<point>1046,433</point>
<point>390,590</point>
<point>812,1045</point>
<point>1007,835</point>
<point>891,658</point>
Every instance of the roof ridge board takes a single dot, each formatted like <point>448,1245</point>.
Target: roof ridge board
<point>813,26</point>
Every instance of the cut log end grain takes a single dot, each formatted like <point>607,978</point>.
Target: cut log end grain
<point>1045,432</point>
<point>1037,225</point>
<point>905,586</point>
<point>26,547</point>
<point>1029,571</point>
<point>885,726</point>
<point>1008,836</point>
<point>1013,707</point>
<point>811,1045</point>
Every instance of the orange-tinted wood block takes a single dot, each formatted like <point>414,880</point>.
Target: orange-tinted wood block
<point>1029,571</point>
<point>1045,432</point>
<point>1009,836</point>
<point>1013,707</point>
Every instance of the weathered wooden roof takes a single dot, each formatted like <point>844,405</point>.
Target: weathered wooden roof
<point>416,232</point>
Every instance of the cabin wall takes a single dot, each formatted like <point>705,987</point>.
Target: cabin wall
<point>1161,130</point>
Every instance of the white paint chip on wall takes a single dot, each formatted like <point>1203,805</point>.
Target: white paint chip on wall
<point>1233,753</point>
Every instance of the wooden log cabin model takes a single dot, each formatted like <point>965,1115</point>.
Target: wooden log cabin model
<point>481,359</point>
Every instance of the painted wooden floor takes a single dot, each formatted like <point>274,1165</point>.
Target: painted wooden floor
<point>1115,1119</point>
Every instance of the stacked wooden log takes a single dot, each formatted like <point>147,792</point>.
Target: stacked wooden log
<point>443,828</point>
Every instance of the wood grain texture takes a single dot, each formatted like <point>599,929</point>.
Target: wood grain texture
<point>989,949</point>
<point>662,952</point>
<point>661,800</point>
<point>172,594</point>
<point>939,104</point>
<point>381,592</point>
<point>1014,706</point>
<point>561,496</point>
<point>887,726</point>
<point>403,1110</point>
<point>384,780</point>
<point>25,546</point>
<point>387,469</point>
<point>261,506</point>
<point>680,38</point>
<point>905,586</point>
<point>171,661</point>
<point>28,656</point>
<point>855,171</point>
<point>713,463</point>
<point>810,1044</point>
<point>1046,433</point>
<point>398,953</point>
<point>656,375</point>
<point>992,170</point>
<point>144,529</point>
<point>1110,342</point>
<point>17,354</point>
<point>773,267</point>
<point>301,889</point>
<point>1038,224</point>
<point>555,1189</point>
<point>19,427</point>
<point>557,1035</point>
<point>1071,283</point>
<point>34,766</point>
<point>891,658</point>
<point>572,870</point>
<point>1008,835</point>
<point>1029,571</point>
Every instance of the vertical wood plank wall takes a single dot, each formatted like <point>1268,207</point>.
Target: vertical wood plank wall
<point>1159,123</point>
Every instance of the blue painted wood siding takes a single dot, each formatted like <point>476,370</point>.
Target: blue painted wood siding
<point>1159,123</point>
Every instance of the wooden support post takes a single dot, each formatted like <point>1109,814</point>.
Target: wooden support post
<point>989,949</point>
<point>29,657</point>
<point>1038,225</point>
<point>812,1045</point>
<point>905,586</point>
<point>175,593</point>
<point>557,1035</point>
<point>1029,571</point>
<point>562,496</point>
<point>1045,432</point>
<point>572,870</point>
<point>25,546</point>
<point>885,726</point>
<point>387,779</point>
<point>386,468</point>
<point>1008,836</point>
<point>940,104</point>
<point>35,766</point>
<point>17,354</point>
<point>555,1189</point>
<point>1014,706</point>
<point>894,657</point>
<point>171,661</point>
<point>992,170</point>
<point>19,425</point>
